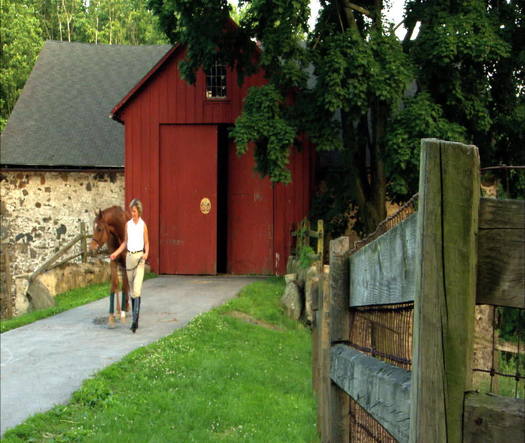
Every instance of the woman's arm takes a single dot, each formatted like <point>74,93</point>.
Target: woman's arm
<point>146,243</point>
<point>121,247</point>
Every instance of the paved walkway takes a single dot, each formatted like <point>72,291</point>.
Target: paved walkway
<point>43,363</point>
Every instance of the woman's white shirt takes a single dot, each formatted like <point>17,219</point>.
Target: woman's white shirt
<point>135,235</point>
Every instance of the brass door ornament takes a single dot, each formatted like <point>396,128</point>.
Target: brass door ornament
<point>205,205</point>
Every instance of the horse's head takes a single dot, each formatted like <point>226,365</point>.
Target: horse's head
<point>100,232</point>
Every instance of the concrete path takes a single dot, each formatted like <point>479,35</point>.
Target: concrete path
<point>43,363</point>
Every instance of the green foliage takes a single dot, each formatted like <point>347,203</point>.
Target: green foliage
<point>262,122</point>
<point>305,253</point>
<point>333,202</point>
<point>217,379</point>
<point>420,118</point>
<point>471,59</point>
<point>306,256</point>
<point>20,43</point>
<point>25,24</point>
<point>511,324</point>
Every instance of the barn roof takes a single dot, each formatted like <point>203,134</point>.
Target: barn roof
<point>61,117</point>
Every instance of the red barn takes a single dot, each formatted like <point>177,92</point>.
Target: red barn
<point>207,210</point>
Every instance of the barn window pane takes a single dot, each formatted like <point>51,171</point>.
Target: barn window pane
<point>216,81</point>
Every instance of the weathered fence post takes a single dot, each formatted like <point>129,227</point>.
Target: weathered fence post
<point>83,243</point>
<point>447,223</point>
<point>321,355</point>
<point>320,240</point>
<point>339,330</point>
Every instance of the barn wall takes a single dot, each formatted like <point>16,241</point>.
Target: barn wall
<point>40,211</point>
<point>167,99</point>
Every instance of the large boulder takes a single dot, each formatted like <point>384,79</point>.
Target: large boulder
<point>39,296</point>
<point>292,299</point>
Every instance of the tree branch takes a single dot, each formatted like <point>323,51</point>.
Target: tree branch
<point>359,9</point>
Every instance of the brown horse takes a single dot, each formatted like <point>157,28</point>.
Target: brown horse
<point>109,229</point>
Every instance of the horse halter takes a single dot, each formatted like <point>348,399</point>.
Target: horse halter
<point>93,236</point>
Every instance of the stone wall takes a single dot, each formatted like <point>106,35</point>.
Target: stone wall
<point>40,211</point>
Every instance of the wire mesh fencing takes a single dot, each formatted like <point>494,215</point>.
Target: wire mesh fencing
<point>499,351</point>
<point>383,332</point>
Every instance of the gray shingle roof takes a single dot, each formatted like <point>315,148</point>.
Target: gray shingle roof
<point>61,118</point>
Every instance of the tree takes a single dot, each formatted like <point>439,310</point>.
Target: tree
<point>471,58</point>
<point>20,43</point>
<point>371,96</point>
<point>25,24</point>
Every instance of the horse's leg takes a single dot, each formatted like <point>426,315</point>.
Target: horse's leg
<point>115,277</point>
<point>114,286</point>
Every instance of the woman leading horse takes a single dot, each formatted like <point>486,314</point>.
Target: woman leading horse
<point>136,241</point>
<point>109,228</point>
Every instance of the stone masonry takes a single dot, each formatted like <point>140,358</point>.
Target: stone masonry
<point>40,211</point>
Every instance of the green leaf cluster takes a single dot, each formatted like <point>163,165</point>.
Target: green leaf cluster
<point>263,124</point>
<point>21,40</point>
<point>26,24</point>
<point>419,118</point>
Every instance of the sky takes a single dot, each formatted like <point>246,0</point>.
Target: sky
<point>394,14</point>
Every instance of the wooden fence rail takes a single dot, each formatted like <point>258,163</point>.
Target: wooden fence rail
<point>51,262</point>
<point>437,260</point>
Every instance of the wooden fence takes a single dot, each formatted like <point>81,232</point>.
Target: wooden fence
<point>457,251</point>
<point>304,233</point>
<point>51,262</point>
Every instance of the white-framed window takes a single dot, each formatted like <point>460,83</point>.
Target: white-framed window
<point>216,85</point>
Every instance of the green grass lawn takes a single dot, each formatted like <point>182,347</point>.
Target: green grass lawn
<point>67,300</point>
<point>218,379</point>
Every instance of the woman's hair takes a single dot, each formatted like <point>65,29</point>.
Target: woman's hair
<point>137,203</point>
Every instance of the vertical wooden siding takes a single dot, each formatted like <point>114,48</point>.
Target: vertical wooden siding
<point>167,99</point>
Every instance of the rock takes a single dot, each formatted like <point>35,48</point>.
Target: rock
<point>311,285</point>
<point>291,265</point>
<point>288,278</point>
<point>292,300</point>
<point>74,275</point>
<point>301,277</point>
<point>39,296</point>
<point>21,301</point>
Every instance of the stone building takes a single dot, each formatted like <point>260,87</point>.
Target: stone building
<point>61,156</point>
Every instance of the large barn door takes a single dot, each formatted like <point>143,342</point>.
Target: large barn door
<point>188,199</point>
<point>250,216</point>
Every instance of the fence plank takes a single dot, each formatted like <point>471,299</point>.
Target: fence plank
<point>381,389</point>
<point>447,221</point>
<point>339,331</point>
<point>383,272</point>
<point>56,256</point>
<point>323,343</point>
<point>501,214</point>
<point>501,253</point>
<point>83,243</point>
<point>493,418</point>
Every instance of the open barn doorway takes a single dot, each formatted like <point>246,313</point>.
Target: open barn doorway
<point>223,144</point>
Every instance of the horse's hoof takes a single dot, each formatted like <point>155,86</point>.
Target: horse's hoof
<point>122,316</point>
<point>111,322</point>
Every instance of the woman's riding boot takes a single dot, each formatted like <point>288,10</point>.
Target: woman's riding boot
<point>136,311</point>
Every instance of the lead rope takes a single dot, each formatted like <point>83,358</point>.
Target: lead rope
<point>136,266</point>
